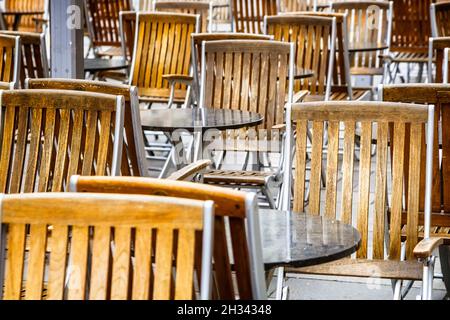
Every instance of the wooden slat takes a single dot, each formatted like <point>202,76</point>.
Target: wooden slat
<point>35,274</point>
<point>347,172</point>
<point>100,263</point>
<point>332,169</point>
<point>78,263</point>
<point>14,262</point>
<point>164,243</point>
<point>316,168</point>
<point>300,165</point>
<point>121,263</point>
<point>142,269</point>
<point>57,263</point>
<point>185,264</point>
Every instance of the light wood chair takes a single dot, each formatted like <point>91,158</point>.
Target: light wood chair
<point>439,96</point>
<point>161,68</point>
<point>296,5</point>
<point>248,15</point>
<point>133,152</point>
<point>29,23</point>
<point>367,22</point>
<point>66,223</point>
<point>196,50</point>
<point>238,258</point>
<point>260,80</point>
<point>411,28</point>
<point>203,8</point>
<point>49,135</point>
<point>10,57</point>
<point>401,128</point>
<point>102,18</point>
<point>145,5</point>
<point>440,19</point>
<point>34,62</point>
<point>314,52</point>
<point>436,56</point>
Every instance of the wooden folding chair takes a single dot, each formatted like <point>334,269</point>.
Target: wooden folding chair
<point>71,256</point>
<point>439,96</point>
<point>133,152</point>
<point>249,75</point>
<point>367,22</point>
<point>34,62</point>
<point>400,128</point>
<point>437,56</point>
<point>238,258</point>
<point>102,18</point>
<point>248,15</point>
<point>440,19</point>
<point>49,135</point>
<point>203,8</point>
<point>10,58</point>
<point>29,23</point>
<point>411,28</point>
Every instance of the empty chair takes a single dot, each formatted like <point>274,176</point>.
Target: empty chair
<point>34,62</point>
<point>202,8</point>
<point>74,270</point>
<point>161,72</point>
<point>102,18</point>
<point>368,22</point>
<point>30,22</point>
<point>400,132</point>
<point>9,58</point>
<point>440,19</point>
<point>49,135</point>
<point>235,212</point>
<point>296,5</point>
<point>248,15</point>
<point>249,75</point>
<point>133,153</point>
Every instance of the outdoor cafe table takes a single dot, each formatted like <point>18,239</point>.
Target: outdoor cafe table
<point>292,239</point>
<point>197,121</point>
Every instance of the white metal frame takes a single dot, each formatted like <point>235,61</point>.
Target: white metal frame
<point>445,66</point>
<point>434,28</point>
<point>207,250</point>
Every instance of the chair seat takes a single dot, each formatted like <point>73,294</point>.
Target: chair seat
<point>385,269</point>
<point>411,57</point>
<point>235,177</point>
<point>110,52</point>
<point>339,95</point>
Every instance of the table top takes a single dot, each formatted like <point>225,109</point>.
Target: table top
<point>98,64</point>
<point>193,119</point>
<point>367,46</point>
<point>300,240</point>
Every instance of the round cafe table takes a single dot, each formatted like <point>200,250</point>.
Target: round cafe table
<point>292,239</point>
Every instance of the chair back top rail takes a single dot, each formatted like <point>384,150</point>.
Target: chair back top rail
<point>95,272</point>
<point>436,55</point>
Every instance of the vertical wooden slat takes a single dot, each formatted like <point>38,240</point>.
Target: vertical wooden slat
<point>7,145</point>
<point>316,168</point>
<point>35,143</point>
<point>142,269</point>
<point>185,264</point>
<point>104,139</point>
<point>57,264</point>
<point>100,264</point>
<point>19,154</point>
<point>164,242</point>
<point>35,274</point>
<point>332,169</point>
<point>78,263</point>
<point>121,263</point>
<point>61,155</point>
<point>91,135</point>
<point>300,166</point>
<point>47,152</point>
<point>15,261</point>
<point>347,172</point>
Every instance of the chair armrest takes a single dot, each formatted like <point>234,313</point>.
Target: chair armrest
<point>189,171</point>
<point>424,249</point>
<point>281,127</point>
<point>180,78</point>
<point>299,96</point>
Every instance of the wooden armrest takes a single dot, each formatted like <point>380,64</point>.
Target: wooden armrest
<point>178,78</point>
<point>40,20</point>
<point>187,172</point>
<point>281,127</point>
<point>425,248</point>
<point>299,96</point>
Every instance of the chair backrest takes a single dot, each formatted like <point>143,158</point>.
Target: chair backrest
<point>248,15</point>
<point>145,5</point>
<point>436,55</point>
<point>202,8</point>
<point>296,5</point>
<point>81,264</point>
<point>411,26</point>
<point>367,22</point>
<point>27,22</point>
<point>315,47</point>
<point>399,126</point>
<point>162,46</point>
<point>9,58</point>
<point>235,214</point>
<point>127,20</point>
<point>196,48</point>
<point>34,62</point>
<point>248,75</point>
<point>49,135</point>
<point>102,17</point>
<point>440,19</point>
<point>439,96</point>
<point>133,153</point>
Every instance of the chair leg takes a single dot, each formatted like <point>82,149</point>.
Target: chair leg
<point>268,194</point>
<point>397,288</point>
<point>280,282</point>
<point>427,281</point>
<point>444,258</point>
<point>420,74</point>
<point>408,287</point>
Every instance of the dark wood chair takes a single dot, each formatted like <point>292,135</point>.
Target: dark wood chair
<point>49,135</point>
<point>31,22</point>
<point>133,153</point>
<point>439,96</point>
<point>34,62</point>
<point>438,57</point>
<point>400,128</point>
<point>70,255</point>
<point>248,15</point>
<point>102,17</point>
<point>202,8</point>
<point>10,56</point>
<point>440,19</point>
<point>235,212</point>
